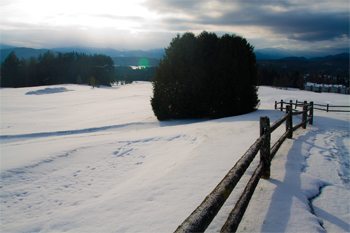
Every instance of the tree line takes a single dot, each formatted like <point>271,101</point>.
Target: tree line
<point>296,71</point>
<point>269,76</point>
<point>57,68</point>
<point>128,74</point>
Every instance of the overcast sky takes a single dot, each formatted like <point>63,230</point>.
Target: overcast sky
<point>144,24</point>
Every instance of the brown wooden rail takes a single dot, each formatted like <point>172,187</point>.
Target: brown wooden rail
<point>202,216</point>
<point>322,107</point>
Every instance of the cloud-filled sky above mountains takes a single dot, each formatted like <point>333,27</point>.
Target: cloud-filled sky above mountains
<point>144,24</point>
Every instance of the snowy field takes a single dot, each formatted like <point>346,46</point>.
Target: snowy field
<point>77,159</point>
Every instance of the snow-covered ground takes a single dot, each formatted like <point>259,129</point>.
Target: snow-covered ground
<point>77,159</point>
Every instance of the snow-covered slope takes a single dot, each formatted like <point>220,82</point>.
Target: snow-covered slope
<point>76,159</point>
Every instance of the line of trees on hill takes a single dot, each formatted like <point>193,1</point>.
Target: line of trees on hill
<point>296,71</point>
<point>128,74</point>
<point>57,68</point>
<point>268,76</point>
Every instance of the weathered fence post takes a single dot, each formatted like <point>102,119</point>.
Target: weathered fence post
<point>275,104</point>
<point>304,119</point>
<point>327,107</point>
<point>265,148</point>
<point>296,104</point>
<point>289,121</point>
<point>281,105</point>
<point>311,112</point>
<point>291,102</point>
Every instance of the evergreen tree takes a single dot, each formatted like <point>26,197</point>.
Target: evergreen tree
<point>10,71</point>
<point>205,76</point>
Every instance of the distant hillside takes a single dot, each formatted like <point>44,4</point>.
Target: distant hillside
<point>278,53</point>
<point>331,65</point>
<point>275,58</point>
<point>121,58</point>
<point>128,57</point>
<point>21,52</point>
<point>270,53</point>
<point>5,46</point>
<point>153,53</point>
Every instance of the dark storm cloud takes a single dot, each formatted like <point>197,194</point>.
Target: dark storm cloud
<point>299,25</point>
<point>298,22</point>
<point>291,24</point>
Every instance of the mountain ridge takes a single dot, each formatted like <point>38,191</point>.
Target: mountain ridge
<point>157,54</point>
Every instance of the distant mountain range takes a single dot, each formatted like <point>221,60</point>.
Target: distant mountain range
<point>20,52</point>
<point>274,54</point>
<point>154,55</point>
<point>131,57</point>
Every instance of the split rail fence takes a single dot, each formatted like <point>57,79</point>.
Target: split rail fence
<point>201,217</point>
<point>322,107</point>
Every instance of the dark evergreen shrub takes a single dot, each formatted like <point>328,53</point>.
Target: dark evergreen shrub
<point>205,76</point>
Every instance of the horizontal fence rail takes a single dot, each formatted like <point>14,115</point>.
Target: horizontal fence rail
<point>322,107</point>
<point>202,216</point>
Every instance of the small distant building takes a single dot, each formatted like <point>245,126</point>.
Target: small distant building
<point>333,88</point>
<point>325,88</point>
<point>345,91</point>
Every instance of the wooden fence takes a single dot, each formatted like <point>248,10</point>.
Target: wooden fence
<point>201,217</point>
<point>322,107</point>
